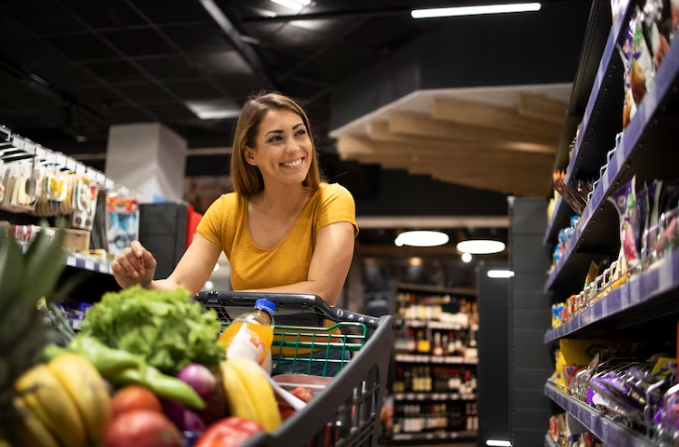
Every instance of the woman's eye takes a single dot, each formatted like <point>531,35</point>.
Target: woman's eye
<point>276,138</point>
<point>300,132</point>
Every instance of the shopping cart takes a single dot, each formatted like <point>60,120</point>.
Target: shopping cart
<point>346,413</point>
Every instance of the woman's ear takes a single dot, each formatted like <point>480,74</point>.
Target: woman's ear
<point>250,156</point>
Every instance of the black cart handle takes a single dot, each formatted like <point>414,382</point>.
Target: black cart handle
<point>302,301</point>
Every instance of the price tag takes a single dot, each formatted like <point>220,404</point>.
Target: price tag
<point>29,147</point>
<point>604,307</point>
<point>624,296</point>
<point>18,142</point>
<point>634,292</point>
<point>89,265</point>
<point>70,261</point>
<point>420,396</point>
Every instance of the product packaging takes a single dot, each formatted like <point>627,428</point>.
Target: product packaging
<point>659,28</point>
<point>571,196</point>
<point>625,202</point>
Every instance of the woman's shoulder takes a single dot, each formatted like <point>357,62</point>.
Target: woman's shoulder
<point>227,203</point>
<point>330,191</point>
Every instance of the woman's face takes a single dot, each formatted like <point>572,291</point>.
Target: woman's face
<point>283,148</point>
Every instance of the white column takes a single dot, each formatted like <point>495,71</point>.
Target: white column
<point>147,158</point>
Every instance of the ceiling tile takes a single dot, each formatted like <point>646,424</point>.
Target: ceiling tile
<point>164,11</point>
<point>31,52</point>
<point>169,112</point>
<point>171,67</point>
<point>11,28</point>
<point>116,71</point>
<point>223,62</point>
<point>205,38</point>
<point>242,86</point>
<point>83,47</point>
<point>67,76</point>
<point>125,114</point>
<point>297,89</point>
<point>148,92</point>
<point>43,18</point>
<point>95,96</point>
<point>139,42</point>
<point>198,89</point>
<point>351,55</point>
<point>114,14</point>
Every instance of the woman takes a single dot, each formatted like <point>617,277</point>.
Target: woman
<point>283,230</point>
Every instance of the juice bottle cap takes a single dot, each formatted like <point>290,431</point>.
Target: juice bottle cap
<point>265,305</point>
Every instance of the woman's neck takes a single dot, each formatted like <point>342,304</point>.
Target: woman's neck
<point>281,200</point>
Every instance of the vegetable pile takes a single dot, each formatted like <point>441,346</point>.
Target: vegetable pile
<point>165,327</point>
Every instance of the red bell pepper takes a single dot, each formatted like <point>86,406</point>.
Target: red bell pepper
<point>229,432</point>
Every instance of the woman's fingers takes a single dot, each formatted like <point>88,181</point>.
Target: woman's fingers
<point>127,266</point>
<point>137,248</point>
<point>134,261</point>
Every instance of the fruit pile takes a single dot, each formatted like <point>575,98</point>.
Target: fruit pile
<point>145,370</point>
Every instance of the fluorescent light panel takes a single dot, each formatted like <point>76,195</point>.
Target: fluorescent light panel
<point>295,5</point>
<point>498,443</point>
<point>480,247</point>
<point>421,239</point>
<point>473,10</point>
<point>214,109</point>
<point>500,274</point>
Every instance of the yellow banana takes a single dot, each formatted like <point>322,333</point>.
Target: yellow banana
<point>237,396</point>
<point>48,399</point>
<point>87,389</point>
<point>260,391</point>
<point>28,429</point>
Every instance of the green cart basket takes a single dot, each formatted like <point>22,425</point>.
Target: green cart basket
<point>347,412</point>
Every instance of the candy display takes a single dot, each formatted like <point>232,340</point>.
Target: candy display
<point>562,434</point>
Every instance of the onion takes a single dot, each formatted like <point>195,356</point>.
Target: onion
<point>184,418</point>
<point>199,378</point>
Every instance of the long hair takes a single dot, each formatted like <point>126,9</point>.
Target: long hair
<point>247,179</point>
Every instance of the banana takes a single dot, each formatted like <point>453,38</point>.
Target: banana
<point>87,389</point>
<point>28,429</point>
<point>260,391</point>
<point>237,396</point>
<point>48,399</point>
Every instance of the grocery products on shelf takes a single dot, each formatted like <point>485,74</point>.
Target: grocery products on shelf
<point>435,417</point>
<point>561,433</point>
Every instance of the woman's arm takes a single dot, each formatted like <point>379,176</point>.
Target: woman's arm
<point>329,264</point>
<point>193,269</point>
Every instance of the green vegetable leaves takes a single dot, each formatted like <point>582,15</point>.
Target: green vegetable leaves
<point>165,327</point>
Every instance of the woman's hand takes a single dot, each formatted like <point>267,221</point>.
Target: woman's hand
<point>136,266</point>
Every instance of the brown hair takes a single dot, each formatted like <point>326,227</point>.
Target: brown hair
<point>247,179</point>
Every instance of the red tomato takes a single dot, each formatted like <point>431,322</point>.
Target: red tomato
<point>142,428</point>
<point>134,398</point>
<point>304,394</point>
<point>229,432</point>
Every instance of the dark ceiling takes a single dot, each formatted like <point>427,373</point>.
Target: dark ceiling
<point>71,68</point>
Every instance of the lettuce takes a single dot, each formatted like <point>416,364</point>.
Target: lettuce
<point>166,327</point>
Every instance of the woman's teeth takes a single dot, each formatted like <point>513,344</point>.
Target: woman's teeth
<point>293,164</point>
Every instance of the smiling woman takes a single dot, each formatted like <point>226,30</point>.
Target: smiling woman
<point>283,229</point>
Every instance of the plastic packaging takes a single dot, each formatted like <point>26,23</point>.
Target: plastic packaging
<point>251,335</point>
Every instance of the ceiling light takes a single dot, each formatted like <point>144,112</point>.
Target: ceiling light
<point>500,274</point>
<point>214,109</point>
<point>216,268</point>
<point>466,258</point>
<point>209,285</point>
<point>497,443</point>
<point>292,4</point>
<point>473,10</point>
<point>422,239</point>
<point>480,247</point>
<point>415,262</point>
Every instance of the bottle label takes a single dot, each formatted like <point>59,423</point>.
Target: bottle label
<point>246,343</point>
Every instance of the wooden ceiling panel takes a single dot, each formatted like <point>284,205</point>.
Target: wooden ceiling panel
<point>542,108</point>
<point>492,117</point>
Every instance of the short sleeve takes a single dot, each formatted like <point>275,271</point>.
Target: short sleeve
<point>211,226</point>
<point>337,205</point>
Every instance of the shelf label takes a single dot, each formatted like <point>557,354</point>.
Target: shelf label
<point>70,261</point>
<point>666,273</point>
<point>89,265</point>
<point>634,292</point>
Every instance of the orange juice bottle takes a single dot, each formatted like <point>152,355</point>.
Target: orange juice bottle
<point>251,335</point>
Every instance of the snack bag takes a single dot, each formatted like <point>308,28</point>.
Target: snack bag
<point>625,202</point>
<point>641,63</point>
<point>659,29</point>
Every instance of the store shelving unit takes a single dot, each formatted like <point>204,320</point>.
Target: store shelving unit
<point>593,236</point>
<point>648,295</point>
<point>89,265</point>
<point>422,397</point>
<point>608,431</point>
<point>434,359</point>
<point>448,436</point>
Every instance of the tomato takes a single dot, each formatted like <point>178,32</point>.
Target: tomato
<point>135,398</point>
<point>142,428</point>
<point>229,432</point>
<point>303,394</point>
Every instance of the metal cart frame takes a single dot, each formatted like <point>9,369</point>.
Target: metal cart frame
<point>347,413</point>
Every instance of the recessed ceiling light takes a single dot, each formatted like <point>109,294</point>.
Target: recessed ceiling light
<point>480,247</point>
<point>214,110</point>
<point>498,443</point>
<point>292,4</point>
<point>473,10</point>
<point>421,239</point>
<point>500,274</point>
<point>466,258</point>
<point>209,285</point>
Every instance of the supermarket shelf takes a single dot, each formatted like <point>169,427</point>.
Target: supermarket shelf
<point>449,436</point>
<point>549,442</point>
<point>611,433</point>
<point>432,396</point>
<point>423,288</point>
<point>447,359</point>
<point>598,220</point>
<point>434,324</point>
<point>646,293</point>
<point>88,264</point>
<point>558,221</point>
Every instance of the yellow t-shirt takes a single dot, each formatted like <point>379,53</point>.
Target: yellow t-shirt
<point>225,224</point>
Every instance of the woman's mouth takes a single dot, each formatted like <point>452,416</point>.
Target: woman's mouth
<point>293,163</point>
